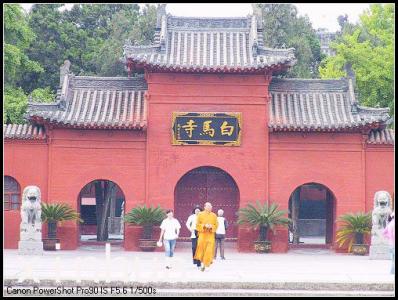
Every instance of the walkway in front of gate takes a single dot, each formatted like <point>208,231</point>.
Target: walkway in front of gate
<point>307,269</point>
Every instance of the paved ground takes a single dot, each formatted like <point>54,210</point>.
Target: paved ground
<point>297,270</point>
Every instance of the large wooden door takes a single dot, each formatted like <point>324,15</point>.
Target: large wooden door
<point>207,184</point>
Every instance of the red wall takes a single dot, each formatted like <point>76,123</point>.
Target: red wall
<point>167,163</point>
<point>336,160</point>
<point>146,166</point>
<point>72,159</point>
<point>379,172</point>
<point>26,162</point>
<point>78,157</point>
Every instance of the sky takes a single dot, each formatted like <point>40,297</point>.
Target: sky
<point>322,15</point>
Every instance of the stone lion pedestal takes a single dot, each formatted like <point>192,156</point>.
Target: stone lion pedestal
<point>379,248</point>
<point>30,241</point>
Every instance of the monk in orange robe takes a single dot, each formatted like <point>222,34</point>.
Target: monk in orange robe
<point>206,225</point>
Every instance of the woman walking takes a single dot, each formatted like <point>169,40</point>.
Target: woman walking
<point>170,229</point>
<point>389,234</point>
<point>191,225</point>
<point>220,233</point>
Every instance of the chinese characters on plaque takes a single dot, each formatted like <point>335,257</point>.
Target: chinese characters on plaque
<point>205,128</point>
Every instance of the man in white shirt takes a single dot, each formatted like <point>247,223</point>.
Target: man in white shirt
<point>170,229</point>
<point>220,233</point>
<point>191,225</point>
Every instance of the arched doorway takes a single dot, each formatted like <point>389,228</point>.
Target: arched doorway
<point>311,208</point>
<point>207,184</point>
<point>12,194</point>
<point>101,206</point>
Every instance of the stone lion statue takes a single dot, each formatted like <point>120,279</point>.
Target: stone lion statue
<point>31,205</point>
<point>30,235</point>
<point>381,211</point>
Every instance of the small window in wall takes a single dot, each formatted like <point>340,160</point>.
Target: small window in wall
<point>12,194</point>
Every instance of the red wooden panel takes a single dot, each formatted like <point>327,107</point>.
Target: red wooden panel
<point>207,184</point>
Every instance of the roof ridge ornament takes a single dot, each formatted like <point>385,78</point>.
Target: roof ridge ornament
<point>351,84</point>
<point>161,25</point>
<point>64,82</point>
<point>253,36</point>
<point>160,12</point>
<point>64,70</point>
<point>163,34</point>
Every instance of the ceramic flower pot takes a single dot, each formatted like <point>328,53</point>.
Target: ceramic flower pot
<point>262,246</point>
<point>49,244</point>
<point>147,245</point>
<point>360,249</point>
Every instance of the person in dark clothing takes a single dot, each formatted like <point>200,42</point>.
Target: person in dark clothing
<point>191,225</point>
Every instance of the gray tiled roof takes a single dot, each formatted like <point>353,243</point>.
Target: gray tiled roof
<point>384,136</point>
<point>318,105</point>
<point>296,105</point>
<point>23,131</point>
<point>208,45</point>
<point>97,102</point>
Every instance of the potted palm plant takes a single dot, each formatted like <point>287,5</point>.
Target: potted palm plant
<point>147,217</point>
<point>352,231</point>
<point>265,217</point>
<point>52,213</point>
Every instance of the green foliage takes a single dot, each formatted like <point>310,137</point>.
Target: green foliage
<point>283,27</point>
<point>139,28</point>
<point>17,38</point>
<point>263,215</point>
<point>369,47</point>
<point>15,103</point>
<point>58,212</point>
<point>90,36</point>
<point>43,95</point>
<point>142,215</point>
<point>351,224</point>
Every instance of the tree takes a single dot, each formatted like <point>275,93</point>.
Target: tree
<point>139,28</point>
<point>95,21</point>
<point>284,28</point>
<point>45,21</point>
<point>370,51</point>
<point>342,20</point>
<point>15,104</point>
<point>17,38</point>
<point>105,192</point>
<point>90,36</point>
<point>43,95</point>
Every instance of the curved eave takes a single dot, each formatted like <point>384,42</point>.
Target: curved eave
<point>17,138</point>
<point>32,138</point>
<point>259,69</point>
<point>373,143</point>
<point>353,127</point>
<point>23,132</point>
<point>136,126</point>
